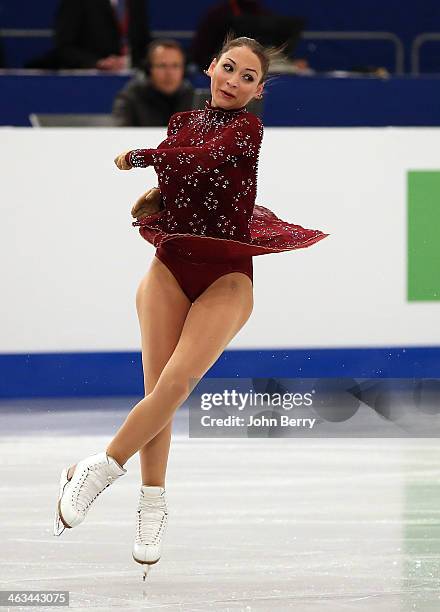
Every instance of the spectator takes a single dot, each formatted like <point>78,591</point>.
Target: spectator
<point>152,96</point>
<point>214,25</point>
<point>97,34</point>
<point>221,18</point>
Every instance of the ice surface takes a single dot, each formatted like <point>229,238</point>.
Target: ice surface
<point>255,524</point>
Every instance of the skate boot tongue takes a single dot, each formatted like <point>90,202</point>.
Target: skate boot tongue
<point>100,471</point>
<point>153,500</point>
<point>114,468</point>
<point>148,491</point>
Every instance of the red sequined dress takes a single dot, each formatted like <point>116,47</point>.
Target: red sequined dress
<point>207,174</point>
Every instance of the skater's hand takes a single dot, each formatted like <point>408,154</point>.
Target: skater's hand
<point>147,204</point>
<point>121,162</point>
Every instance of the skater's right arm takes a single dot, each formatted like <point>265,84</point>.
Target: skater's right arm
<point>242,138</point>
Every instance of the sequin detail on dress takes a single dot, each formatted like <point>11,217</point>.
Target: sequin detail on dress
<point>207,173</point>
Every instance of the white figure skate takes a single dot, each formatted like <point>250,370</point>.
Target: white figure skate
<point>152,517</point>
<point>91,476</point>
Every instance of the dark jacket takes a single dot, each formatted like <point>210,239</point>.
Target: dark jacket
<point>140,104</point>
<point>214,25</point>
<point>87,30</point>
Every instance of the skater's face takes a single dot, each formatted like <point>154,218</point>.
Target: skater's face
<point>237,73</point>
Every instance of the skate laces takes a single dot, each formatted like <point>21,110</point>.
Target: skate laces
<point>152,518</point>
<point>90,485</point>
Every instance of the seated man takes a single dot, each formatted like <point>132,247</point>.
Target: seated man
<point>152,96</point>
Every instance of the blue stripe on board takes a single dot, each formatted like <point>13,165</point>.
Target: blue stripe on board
<point>120,373</point>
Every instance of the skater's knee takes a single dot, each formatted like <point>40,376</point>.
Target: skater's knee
<point>178,388</point>
<point>173,387</point>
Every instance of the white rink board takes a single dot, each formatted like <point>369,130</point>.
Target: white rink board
<point>73,261</point>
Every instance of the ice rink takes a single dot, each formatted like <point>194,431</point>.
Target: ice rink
<point>255,524</point>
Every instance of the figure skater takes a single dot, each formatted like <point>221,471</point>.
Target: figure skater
<point>198,292</point>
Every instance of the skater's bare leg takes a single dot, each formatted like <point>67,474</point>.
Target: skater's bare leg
<point>212,321</point>
<point>162,308</point>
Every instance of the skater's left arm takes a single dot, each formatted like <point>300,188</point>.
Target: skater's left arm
<point>147,204</point>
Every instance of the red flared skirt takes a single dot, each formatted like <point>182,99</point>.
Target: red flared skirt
<point>268,234</point>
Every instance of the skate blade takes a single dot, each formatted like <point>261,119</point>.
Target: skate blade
<point>146,566</point>
<point>58,524</point>
<point>146,570</point>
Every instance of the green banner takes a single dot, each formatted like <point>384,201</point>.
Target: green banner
<point>423,279</point>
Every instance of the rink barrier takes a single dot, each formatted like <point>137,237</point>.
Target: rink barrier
<point>85,374</point>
